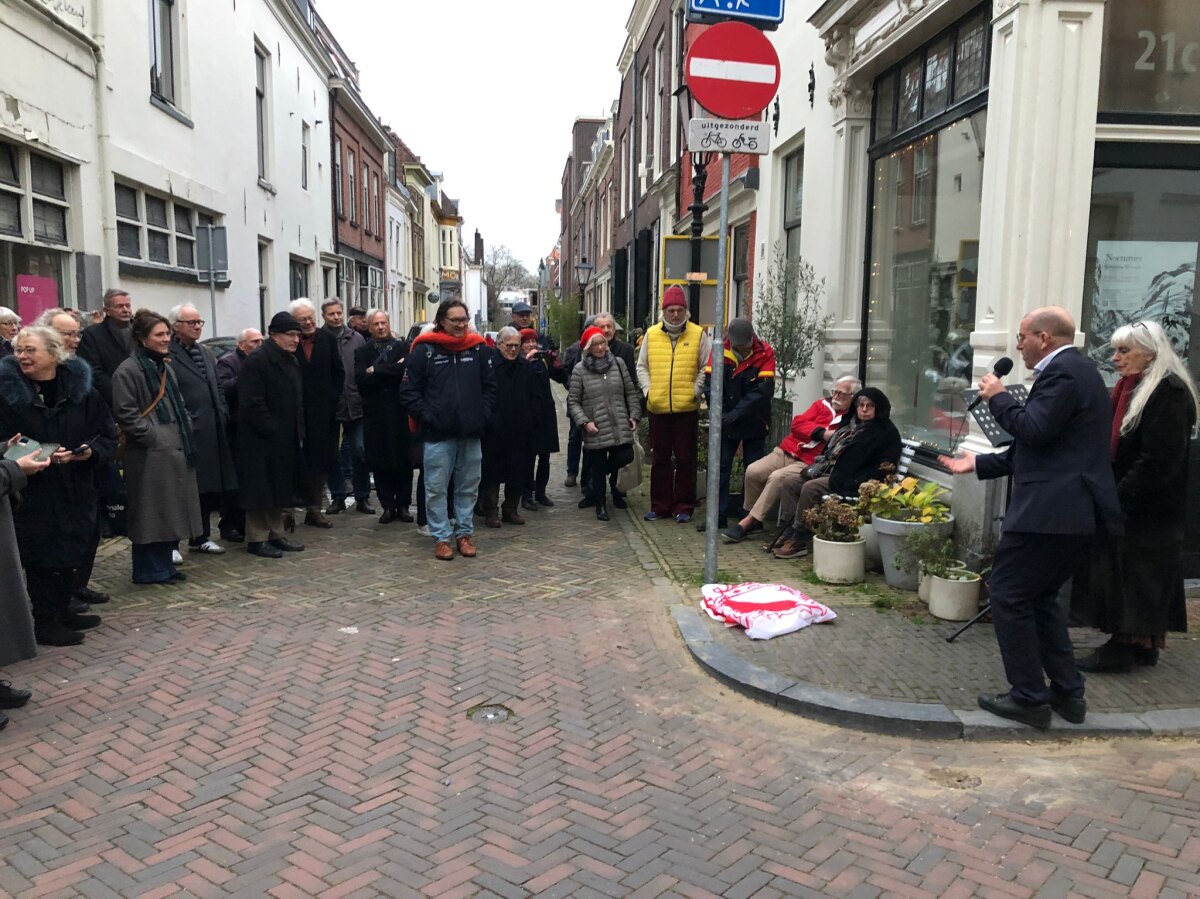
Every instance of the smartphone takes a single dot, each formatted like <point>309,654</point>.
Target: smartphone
<point>83,447</point>
<point>27,446</point>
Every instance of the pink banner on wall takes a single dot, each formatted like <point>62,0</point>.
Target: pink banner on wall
<point>34,296</point>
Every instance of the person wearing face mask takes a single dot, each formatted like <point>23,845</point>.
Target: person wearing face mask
<point>1132,586</point>
<point>670,371</point>
<point>855,453</point>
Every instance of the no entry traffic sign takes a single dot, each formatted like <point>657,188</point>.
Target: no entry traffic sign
<point>732,70</point>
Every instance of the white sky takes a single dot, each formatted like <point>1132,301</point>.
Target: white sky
<point>486,91</point>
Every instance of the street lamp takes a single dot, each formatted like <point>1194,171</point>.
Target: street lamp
<point>698,207</point>
<point>583,274</point>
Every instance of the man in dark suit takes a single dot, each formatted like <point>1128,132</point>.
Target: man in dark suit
<point>106,345</point>
<point>1063,496</point>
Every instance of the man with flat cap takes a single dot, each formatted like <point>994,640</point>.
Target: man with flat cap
<point>271,437</point>
<point>1063,496</point>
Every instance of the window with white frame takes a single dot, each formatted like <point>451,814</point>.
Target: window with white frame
<point>261,109</point>
<point>350,191</point>
<point>346,279</point>
<point>793,202</point>
<point>366,200</point>
<point>298,277</point>
<point>33,196</point>
<point>153,228</point>
<point>305,150</point>
<point>337,177</point>
<point>647,148</point>
<point>375,202</point>
<point>264,279</point>
<point>164,71</point>
<point>920,198</point>
<point>659,96</point>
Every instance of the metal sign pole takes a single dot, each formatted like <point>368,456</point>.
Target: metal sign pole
<point>212,281</point>
<point>716,395</point>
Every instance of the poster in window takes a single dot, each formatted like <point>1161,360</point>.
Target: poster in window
<point>1141,280</point>
<point>35,295</point>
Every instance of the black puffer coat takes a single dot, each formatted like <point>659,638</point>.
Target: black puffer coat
<point>56,521</point>
<point>508,444</point>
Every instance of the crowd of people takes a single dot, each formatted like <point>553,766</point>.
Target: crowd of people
<point>312,417</point>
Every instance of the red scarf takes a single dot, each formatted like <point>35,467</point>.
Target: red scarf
<point>1122,393</point>
<point>449,342</point>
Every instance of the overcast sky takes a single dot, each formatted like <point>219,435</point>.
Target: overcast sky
<point>486,91</point>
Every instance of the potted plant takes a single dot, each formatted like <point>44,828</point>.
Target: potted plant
<point>953,591</point>
<point>838,550</point>
<point>897,506</point>
<point>927,549</point>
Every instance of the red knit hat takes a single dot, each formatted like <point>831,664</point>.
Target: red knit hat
<point>674,297</point>
<point>587,336</point>
<point>528,334</point>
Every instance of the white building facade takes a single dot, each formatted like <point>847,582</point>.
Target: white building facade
<point>131,126</point>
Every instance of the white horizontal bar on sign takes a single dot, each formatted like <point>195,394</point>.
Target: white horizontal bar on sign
<point>732,70</point>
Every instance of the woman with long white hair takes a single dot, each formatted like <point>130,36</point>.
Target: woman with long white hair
<point>1132,587</point>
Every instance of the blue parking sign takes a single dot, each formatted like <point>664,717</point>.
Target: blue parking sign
<point>762,13</point>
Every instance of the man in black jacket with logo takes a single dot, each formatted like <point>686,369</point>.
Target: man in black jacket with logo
<point>449,389</point>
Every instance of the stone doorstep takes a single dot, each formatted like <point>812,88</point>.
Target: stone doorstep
<point>909,719</point>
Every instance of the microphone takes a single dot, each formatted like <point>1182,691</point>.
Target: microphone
<point>1002,367</point>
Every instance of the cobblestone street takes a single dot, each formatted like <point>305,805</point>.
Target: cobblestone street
<point>302,727</point>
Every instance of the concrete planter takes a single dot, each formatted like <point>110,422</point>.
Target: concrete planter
<point>892,544</point>
<point>874,559</point>
<point>954,599</point>
<point>839,563</point>
<point>927,578</point>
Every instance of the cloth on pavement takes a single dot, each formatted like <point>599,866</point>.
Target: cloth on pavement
<point>763,610</point>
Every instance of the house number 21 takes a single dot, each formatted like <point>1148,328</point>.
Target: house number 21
<point>1186,58</point>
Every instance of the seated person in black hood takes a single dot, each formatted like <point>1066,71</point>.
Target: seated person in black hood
<point>864,442</point>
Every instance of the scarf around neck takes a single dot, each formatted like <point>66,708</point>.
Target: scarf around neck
<point>599,366</point>
<point>449,342</point>
<point>1121,395</point>
<point>154,368</point>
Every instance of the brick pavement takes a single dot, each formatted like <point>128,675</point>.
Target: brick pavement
<point>235,736</point>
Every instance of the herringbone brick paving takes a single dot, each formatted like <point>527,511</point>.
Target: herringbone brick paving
<point>235,736</point>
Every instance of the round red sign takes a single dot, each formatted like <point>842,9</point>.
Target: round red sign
<point>732,70</point>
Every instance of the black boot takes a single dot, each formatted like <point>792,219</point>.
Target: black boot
<point>1111,658</point>
<point>602,511</point>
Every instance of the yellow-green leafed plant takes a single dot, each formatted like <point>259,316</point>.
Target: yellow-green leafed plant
<point>909,499</point>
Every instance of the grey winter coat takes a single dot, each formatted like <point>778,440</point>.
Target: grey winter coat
<point>349,342</point>
<point>608,400</point>
<point>16,622</point>
<point>164,499</point>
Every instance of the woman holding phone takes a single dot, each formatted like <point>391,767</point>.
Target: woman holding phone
<point>47,396</point>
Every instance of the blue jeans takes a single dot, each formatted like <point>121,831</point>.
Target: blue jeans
<point>152,562</point>
<point>461,460</point>
<point>350,464</point>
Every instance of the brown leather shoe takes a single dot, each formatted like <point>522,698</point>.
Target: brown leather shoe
<point>443,551</point>
<point>791,549</point>
<point>317,520</point>
<point>492,521</point>
<point>512,517</point>
<point>466,547</point>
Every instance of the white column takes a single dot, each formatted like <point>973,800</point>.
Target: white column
<point>1041,134</point>
<point>848,223</point>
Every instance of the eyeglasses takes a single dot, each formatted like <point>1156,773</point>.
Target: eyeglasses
<point>457,321</point>
<point>843,393</point>
<point>69,335</point>
<point>510,346</point>
<point>198,322</point>
<point>26,351</point>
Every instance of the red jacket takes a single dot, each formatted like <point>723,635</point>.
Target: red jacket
<point>800,442</point>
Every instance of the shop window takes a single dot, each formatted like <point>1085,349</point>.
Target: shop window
<point>156,229</point>
<point>922,282</point>
<point>793,202</point>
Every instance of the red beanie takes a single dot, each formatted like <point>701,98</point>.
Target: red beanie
<point>674,297</point>
<point>588,335</point>
<point>528,334</point>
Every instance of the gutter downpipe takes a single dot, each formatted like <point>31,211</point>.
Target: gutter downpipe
<point>108,200</point>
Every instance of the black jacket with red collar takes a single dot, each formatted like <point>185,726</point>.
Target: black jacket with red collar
<point>749,386</point>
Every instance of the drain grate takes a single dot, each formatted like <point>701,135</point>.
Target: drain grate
<point>489,714</point>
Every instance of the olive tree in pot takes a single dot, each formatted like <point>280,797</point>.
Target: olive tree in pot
<point>896,507</point>
<point>789,315</point>
<point>838,550</point>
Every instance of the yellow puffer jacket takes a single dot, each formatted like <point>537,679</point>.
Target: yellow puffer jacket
<point>673,369</point>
